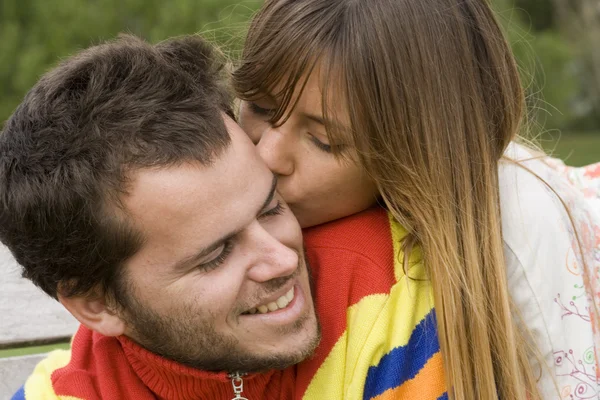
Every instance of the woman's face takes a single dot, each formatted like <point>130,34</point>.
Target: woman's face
<point>317,186</point>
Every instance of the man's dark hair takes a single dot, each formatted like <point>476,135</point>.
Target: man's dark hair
<point>67,151</point>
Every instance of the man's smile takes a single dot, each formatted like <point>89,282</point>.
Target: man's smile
<point>283,310</point>
<point>270,306</point>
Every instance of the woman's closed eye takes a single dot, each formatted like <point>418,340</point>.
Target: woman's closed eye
<point>262,111</point>
<point>320,145</point>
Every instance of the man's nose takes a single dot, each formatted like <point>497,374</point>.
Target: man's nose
<point>275,147</point>
<point>272,259</point>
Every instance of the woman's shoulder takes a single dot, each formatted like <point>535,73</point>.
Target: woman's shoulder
<point>543,213</point>
<point>536,198</point>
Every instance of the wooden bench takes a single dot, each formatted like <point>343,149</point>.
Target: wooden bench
<point>28,317</point>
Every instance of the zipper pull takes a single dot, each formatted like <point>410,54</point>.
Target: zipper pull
<point>238,386</point>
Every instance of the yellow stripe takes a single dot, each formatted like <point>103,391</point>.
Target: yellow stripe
<point>39,385</point>
<point>339,368</point>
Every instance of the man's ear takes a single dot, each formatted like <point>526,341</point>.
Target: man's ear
<point>93,312</point>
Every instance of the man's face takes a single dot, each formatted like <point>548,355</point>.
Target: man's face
<point>221,281</point>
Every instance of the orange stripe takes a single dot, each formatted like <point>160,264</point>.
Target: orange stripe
<point>428,384</point>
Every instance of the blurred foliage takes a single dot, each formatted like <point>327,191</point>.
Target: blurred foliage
<point>575,148</point>
<point>542,17</point>
<point>545,59</point>
<point>37,33</point>
<point>556,66</point>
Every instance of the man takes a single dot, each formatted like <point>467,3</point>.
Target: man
<point>130,195</point>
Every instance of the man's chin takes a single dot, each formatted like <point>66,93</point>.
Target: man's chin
<point>292,348</point>
<point>260,363</point>
<point>233,357</point>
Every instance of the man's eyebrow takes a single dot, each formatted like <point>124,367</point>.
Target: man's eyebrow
<point>270,196</point>
<point>182,265</point>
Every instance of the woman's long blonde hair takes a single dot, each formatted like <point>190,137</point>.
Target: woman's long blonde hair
<point>434,98</point>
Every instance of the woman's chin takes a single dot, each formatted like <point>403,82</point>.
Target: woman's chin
<point>308,217</point>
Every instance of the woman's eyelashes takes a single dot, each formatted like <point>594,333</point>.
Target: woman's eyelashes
<point>268,112</point>
<point>320,145</point>
<point>258,110</point>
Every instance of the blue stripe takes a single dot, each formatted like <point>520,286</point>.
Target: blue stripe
<point>20,395</point>
<point>443,397</point>
<point>404,363</point>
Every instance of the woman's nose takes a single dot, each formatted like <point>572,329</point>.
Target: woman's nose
<point>276,149</point>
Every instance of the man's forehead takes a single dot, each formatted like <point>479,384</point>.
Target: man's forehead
<point>231,172</point>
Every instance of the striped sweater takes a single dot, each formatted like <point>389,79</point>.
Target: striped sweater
<point>379,331</point>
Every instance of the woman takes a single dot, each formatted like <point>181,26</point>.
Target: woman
<point>417,104</point>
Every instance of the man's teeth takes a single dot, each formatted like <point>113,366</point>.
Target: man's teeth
<point>278,304</point>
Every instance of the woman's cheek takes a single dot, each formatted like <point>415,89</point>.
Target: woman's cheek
<point>254,133</point>
<point>250,125</point>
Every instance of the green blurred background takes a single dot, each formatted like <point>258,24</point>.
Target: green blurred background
<point>557,44</point>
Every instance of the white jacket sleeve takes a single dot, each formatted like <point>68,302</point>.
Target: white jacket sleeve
<point>550,287</point>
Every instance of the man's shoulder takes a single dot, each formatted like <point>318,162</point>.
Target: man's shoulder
<point>86,371</point>
<point>39,384</point>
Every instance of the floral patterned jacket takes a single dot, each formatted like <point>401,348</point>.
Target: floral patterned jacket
<point>551,230</point>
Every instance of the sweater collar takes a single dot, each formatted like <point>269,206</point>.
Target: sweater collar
<point>171,380</point>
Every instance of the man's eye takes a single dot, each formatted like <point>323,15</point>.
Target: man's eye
<point>258,110</point>
<point>277,210</point>
<point>219,259</point>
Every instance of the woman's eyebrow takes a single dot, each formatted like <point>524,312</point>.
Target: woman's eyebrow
<point>326,122</point>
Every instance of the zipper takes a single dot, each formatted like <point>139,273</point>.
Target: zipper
<point>238,385</point>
